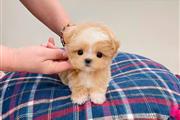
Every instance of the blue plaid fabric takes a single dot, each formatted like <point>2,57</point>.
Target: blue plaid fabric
<point>140,89</point>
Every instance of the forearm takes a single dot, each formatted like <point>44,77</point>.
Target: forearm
<point>6,58</point>
<point>50,12</point>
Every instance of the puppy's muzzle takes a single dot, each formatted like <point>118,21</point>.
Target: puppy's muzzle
<point>88,61</point>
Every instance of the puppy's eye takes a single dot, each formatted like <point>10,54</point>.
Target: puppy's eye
<point>99,54</point>
<point>80,52</point>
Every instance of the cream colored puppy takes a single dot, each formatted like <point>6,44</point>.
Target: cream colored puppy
<point>90,49</point>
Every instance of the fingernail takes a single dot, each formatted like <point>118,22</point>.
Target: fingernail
<point>64,54</point>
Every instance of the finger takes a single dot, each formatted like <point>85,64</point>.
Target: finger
<point>56,67</point>
<point>56,54</point>
<point>51,40</point>
<point>61,66</point>
<point>65,54</point>
<point>50,45</point>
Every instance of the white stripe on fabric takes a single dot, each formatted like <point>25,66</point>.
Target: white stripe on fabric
<point>127,60</point>
<point>29,81</point>
<point>121,93</point>
<point>138,88</point>
<point>143,88</point>
<point>140,70</point>
<point>163,93</point>
<point>20,97</point>
<point>88,110</point>
<point>50,103</point>
<point>115,111</point>
<point>75,112</point>
<point>136,116</point>
<point>31,97</point>
<point>131,60</point>
<point>22,78</point>
<point>162,81</point>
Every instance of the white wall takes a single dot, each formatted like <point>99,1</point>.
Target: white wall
<point>179,40</point>
<point>145,27</point>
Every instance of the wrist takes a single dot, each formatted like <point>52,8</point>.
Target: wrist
<point>13,59</point>
<point>17,63</point>
<point>7,59</point>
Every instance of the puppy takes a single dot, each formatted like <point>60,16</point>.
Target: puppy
<point>90,48</point>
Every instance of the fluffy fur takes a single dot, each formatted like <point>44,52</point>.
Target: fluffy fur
<point>90,49</point>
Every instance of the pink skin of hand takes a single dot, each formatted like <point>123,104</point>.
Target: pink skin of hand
<point>36,59</point>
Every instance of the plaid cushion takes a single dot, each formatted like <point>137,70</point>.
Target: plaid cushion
<point>140,89</point>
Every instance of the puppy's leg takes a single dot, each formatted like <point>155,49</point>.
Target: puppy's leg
<point>98,91</point>
<point>98,95</point>
<point>79,94</point>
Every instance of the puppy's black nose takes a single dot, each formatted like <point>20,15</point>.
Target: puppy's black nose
<point>88,61</point>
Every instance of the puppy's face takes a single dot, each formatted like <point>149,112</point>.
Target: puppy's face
<point>91,47</point>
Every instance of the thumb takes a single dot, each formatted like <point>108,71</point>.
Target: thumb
<point>55,54</point>
<point>51,40</point>
<point>62,66</point>
<point>57,66</point>
<point>51,43</point>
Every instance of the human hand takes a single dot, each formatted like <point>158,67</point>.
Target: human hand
<point>41,59</point>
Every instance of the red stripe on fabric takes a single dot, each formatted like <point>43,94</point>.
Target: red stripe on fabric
<point>13,98</point>
<point>60,113</point>
<point>66,111</point>
<point>178,76</point>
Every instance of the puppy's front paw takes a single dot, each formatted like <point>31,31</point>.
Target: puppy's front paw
<point>79,99</point>
<point>97,98</point>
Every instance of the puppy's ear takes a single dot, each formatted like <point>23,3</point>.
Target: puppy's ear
<point>68,33</point>
<point>115,45</point>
